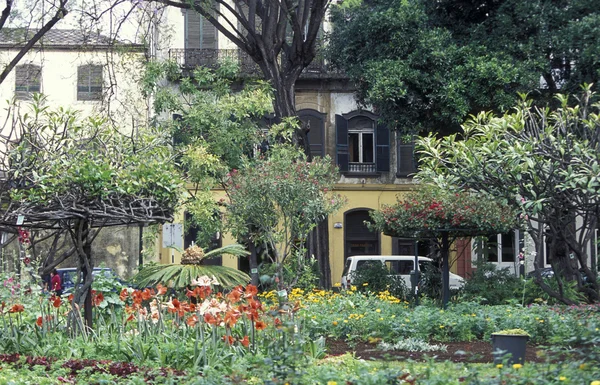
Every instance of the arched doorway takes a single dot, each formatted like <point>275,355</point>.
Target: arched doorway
<point>358,239</point>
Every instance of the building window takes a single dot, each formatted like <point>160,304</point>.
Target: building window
<point>362,145</point>
<point>89,82</point>
<point>500,248</point>
<point>405,151</point>
<point>28,79</point>
<point>358,239</point>
<point>361,142</point>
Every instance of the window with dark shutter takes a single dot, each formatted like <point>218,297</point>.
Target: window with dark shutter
<point>28,79</point>
<point>406,157</point>
<point>316,135</point>
<point>89,82</point>
<point>341,143</point>
<point>199,33</point>
<point>382,137</point>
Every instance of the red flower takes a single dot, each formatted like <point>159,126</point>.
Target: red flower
<point>97,298</point>
<point>56,302</point>
<point>124,294</point>
<point>210,319</point>
<point>231,318</point>
<point>251,291</point>
<point>192,321</point>
<point>229,340</point>
<point>161,290</point>
<point>39,321</point>
<point>70,297</point>
<point>16,308</point>
<point>260,325</point>
<point>245,341</point>
<point>147,294</point>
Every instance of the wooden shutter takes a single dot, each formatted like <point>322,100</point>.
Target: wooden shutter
<point>406,158</point>
<point>89,82</point>
<point>316,135</point>
<point>382,148</point>
<point>192,29</point>
<point>27,80</point>
<point>341,142</point>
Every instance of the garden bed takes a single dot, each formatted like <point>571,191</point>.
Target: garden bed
<point>474,351</point>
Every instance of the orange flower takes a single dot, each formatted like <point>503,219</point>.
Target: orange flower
<point>235,294</point>
<point>277,322</point>
<point>146,294</point>
<point>210,319</point>
<point>251,291</point>
<point>161,290</point>
<point>97,298</point>
<point>39,321</point>
<point>245,341</point>
<point>57,301</point>
<point>254,304</point>
<point>137,297</point>
<point>70,298</point>
<point>252,315</point>
<point>16,308</point>
<point>124,294</point>
<point>192,321</point>
<point>259,325</point>
<point>131,317</point>
<point>231,318</point>
<point>229,340</point>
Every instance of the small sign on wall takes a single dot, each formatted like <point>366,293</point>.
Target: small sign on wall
<point>172,235</point>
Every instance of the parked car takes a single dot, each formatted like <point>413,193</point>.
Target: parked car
<point>68,275</point>
<point>400,265</point>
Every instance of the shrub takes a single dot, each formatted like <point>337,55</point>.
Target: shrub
<point>374,276</point>
<point>491,286</point>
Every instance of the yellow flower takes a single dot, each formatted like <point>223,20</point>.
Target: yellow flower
<point>442,326</point>
<point>366,284</point>
<point>345,321</point>
<point>378,310</point>
<point>517,366</point>
<point>337,284</point>
<point>331,383</point>
<point>562,378</point>
<point>597,382</point>
<point>353,288</point>
<point>499,366</point>
<point>582,366</point>
<point>335,323</point>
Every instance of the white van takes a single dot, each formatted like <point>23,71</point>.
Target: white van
<point>397,264</point>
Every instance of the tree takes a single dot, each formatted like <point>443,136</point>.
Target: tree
<point>280,36</point>
<point>425,66</point>
<point>32,29</point>
<point>80,175</point>
<point>278,200</point>
<point>542,161</point>
<point>431,213</point>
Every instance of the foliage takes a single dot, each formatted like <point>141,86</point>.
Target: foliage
<point>278,200</point>
<point>490,285</point>
<point>373,276</point>
<point>149,332</point>
<point>216,127</point>
<point>547,158</point>
<point>427,211</point>
<point>180,276</point>
<point>427,65</point>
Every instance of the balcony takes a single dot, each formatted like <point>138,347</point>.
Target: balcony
<point>190,58</point>
<point>362,168</point>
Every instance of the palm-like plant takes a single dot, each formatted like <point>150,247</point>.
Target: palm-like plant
<point>179,276</point>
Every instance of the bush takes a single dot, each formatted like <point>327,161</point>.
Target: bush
<point>374,276</point>
<point>491,286</point>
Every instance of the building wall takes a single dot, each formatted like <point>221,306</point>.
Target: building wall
<point>123,102</point>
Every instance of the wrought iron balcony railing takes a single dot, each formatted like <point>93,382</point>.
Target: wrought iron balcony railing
<point>362,168</point>
<point>190,58</point>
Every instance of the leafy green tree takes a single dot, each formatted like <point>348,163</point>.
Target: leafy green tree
<point>441,215</point>
<point>277,200</point>
<point>544,162</point>
<point>425,66</point>
<point>78,175</point>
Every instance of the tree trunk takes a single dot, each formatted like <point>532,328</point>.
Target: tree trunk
<point>318,246</point>
<point>253,263</point>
